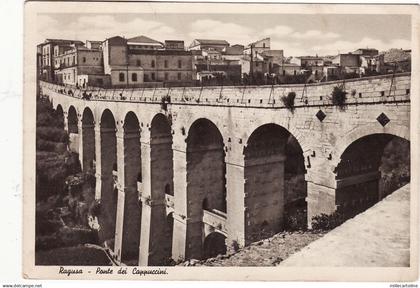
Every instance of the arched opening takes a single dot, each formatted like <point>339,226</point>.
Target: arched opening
<point>295,186</point>
<point>206,175</point>
<point>273,158</point>
<point>370,168</point>
<point>168,190</point>
<point>108,156</point>
<point>214,244</point>
<point>162,173</point>
<point>72,120</point>
<point>132,211</point>
<point>88,141</point>
<point>73,130</point>
<point>60,115</point>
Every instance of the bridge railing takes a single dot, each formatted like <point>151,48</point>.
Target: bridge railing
<point>383,88</point>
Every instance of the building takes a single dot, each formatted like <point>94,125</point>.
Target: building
<point>307,62</point>
<point>79,60</point>
<point>257,47</point>
<point>115,63</point>
<point>206,44</point>
<point>168,66</point>
<point>372,64</point>
<point>233,53</point>
<point>47,52</point>
<point>274,58</point>
<point>366,52</point>
<point>93,44</point>
<point>287,69</point>
<point>142,61</point>
<point>174,45</point>
<point>228,73</point>
<point>346,60</point>
<point>259,67</point>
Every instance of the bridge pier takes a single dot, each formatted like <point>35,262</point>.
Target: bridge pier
<point>320,200</point>
<point>235,184</point>
<point>152,236</point>
<point>185,244</point>
<point>128,216</point>
<point>155,243</point>
<point>264,197</point>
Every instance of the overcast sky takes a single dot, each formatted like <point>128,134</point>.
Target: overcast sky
<point>296,34</point>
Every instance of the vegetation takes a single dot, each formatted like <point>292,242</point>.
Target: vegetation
<point>326,222</point>
<point>289,101</point>
<point>63,194</point>
<point>395,165</point>
<point>53,162</point>
<point>339,96</point>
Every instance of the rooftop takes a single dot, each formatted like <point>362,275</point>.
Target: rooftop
<point>212,41</point>
<point>62,41</point>
<point>143,39</point>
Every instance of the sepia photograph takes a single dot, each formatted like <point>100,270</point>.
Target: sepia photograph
<point>165,136</point>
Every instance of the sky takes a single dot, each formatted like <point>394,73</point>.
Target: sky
<point>296,34</point>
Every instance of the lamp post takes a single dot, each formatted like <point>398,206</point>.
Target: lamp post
<point>251,67</point>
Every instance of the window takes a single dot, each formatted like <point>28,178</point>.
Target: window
<point>153,64</point>
<point>294,72</point>
<point>153,75</point>
<point>263,45</point>
<point>166,76</point>
<point>122,77</point>
<point>166,64</point>
<point>146,77</point>
<point>74,60</point>
<point>179,64</point>
<point>84,59</point>
<point>284,72</point>
<point>179,76</point>
<point>134,77</point>
<point>138,62</point>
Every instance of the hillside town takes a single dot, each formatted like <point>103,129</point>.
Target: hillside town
<point>119,62</point>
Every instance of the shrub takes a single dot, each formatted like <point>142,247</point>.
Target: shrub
<point>339,96</point>
<point>327,222</point>
<point>52,134</point>
<point>289,101</point>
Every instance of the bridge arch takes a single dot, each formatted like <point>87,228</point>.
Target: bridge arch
<point>365,130</point>
<point>60,115</point>
<point>214,244</point>
<point>371,167</point>
<point>131,165</point>
<point>72,120</point>
<point>300,136</point>
<point>108,165</point>
<point>206,174</point>
<point>272,158</point>
<point>88,141</point>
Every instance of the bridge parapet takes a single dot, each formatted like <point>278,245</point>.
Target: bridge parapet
<point>375,89</point>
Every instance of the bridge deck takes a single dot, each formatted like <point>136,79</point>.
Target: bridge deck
<point>367,90</point>
<point>378,237</point>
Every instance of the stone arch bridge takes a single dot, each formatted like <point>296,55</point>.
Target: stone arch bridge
<point>181,171</point>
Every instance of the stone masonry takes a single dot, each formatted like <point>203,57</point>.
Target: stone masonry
<point>212,159</point>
